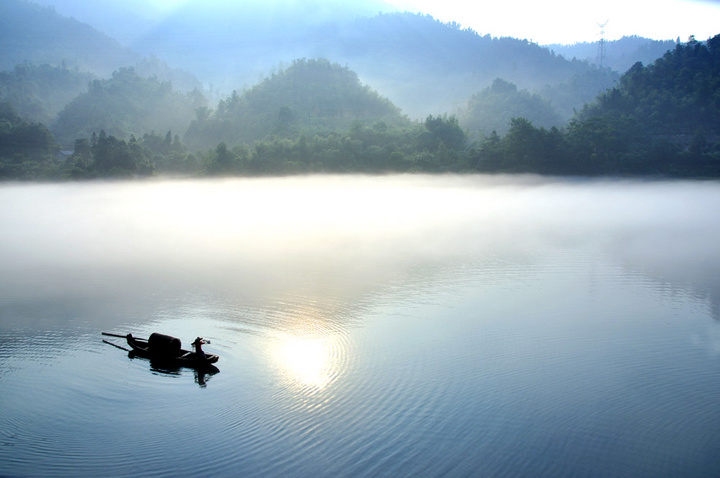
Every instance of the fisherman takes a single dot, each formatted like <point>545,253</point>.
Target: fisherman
<point>198,347</point>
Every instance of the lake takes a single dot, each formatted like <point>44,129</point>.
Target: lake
<point>366,326</point>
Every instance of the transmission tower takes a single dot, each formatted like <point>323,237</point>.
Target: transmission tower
<point>601,44</point>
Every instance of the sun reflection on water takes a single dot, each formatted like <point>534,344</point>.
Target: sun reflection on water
<point>307,362</point>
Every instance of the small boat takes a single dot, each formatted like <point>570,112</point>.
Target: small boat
<point>164,349</point>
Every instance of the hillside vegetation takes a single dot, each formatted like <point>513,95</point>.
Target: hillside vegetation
<point>494,105</point>
<point>661,119</point>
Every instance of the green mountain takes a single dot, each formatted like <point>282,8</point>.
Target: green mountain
<point>308,97</point>
<point>678,94</point>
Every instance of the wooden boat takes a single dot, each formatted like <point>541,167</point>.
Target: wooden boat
<point>164,349</point>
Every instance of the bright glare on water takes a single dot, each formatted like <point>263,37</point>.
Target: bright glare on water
<point>366,326</point>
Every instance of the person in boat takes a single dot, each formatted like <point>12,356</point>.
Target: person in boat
<point>198,347</point>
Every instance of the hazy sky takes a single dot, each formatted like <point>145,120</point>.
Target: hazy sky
<point>570,21</point>
<point>544,22</point>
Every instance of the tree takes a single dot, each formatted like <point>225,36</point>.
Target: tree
<point>226,162</point>
<point>520,146</point>
<point>18,137</point>
<point>114,157</point>
<point>443,130</point>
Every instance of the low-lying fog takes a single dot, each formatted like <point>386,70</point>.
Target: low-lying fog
<point>246,237</point>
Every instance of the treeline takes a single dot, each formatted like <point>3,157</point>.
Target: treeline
<point>438,145</point>
<point>28,152</point>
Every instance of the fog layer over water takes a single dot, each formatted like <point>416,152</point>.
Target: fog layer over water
<point>366,325</point>
<point>273,235</point>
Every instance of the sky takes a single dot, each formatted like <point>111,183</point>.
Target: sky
<point>543,22</point>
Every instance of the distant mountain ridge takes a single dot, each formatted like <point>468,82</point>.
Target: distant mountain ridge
<point>30,33</point>
<point>620,54</point>
<point>36,34</point>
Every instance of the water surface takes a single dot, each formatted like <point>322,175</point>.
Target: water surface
<point>367,326</point>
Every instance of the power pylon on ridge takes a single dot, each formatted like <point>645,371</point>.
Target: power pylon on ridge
<point>601,44</point>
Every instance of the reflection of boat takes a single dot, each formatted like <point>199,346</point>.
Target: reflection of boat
<point>202,374</point>
<point>165,350</point>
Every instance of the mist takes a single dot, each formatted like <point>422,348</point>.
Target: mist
<point>135,23</point>
<point>271,237</point>
<point>423,66</point>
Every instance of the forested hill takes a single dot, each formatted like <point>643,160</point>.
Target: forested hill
<point>422,65</point>
<point>662,119</point>
<point>677,95</point>
<point>309,96</point>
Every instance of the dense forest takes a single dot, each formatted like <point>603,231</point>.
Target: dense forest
<point>312,115</point>
<point>660,119</point>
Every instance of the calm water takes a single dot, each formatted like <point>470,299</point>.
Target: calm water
<point>393,326</point>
